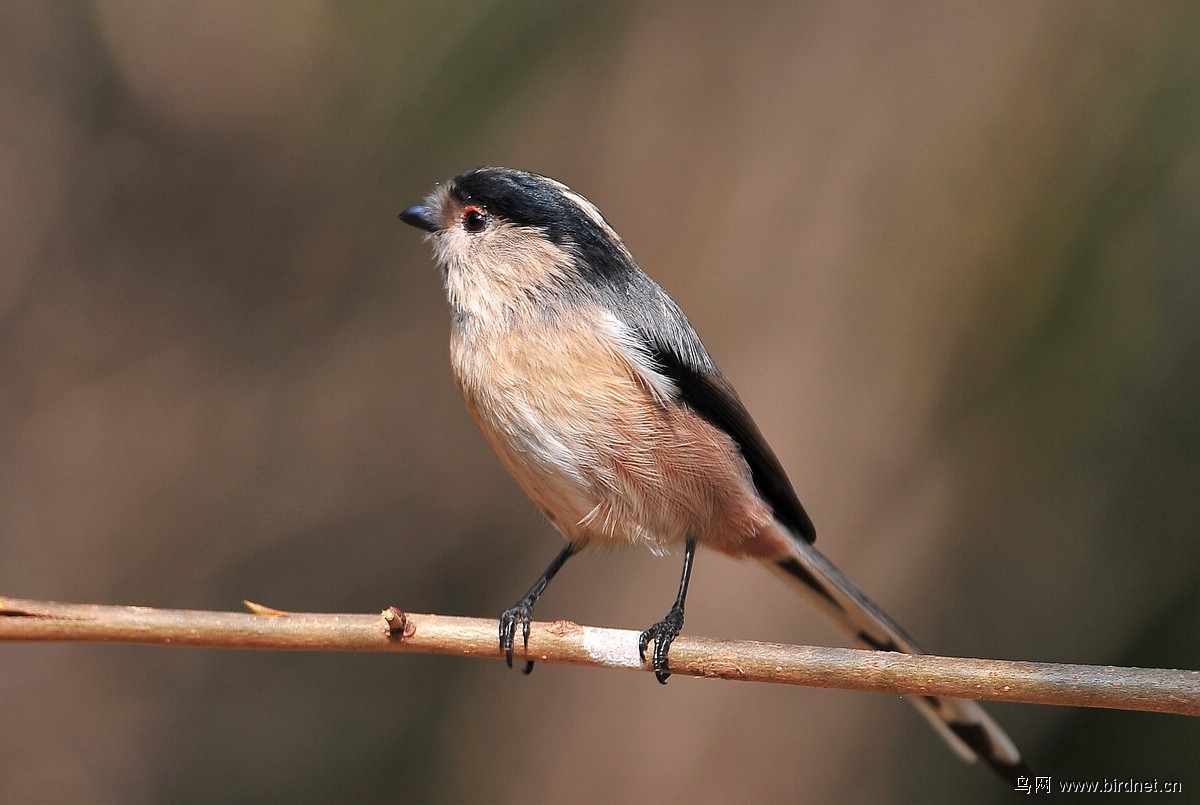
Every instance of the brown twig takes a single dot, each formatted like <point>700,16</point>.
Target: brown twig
<point>1154,690</point>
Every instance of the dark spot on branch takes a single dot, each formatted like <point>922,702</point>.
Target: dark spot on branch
<point>397,624</point>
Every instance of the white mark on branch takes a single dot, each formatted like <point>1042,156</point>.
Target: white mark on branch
<point>616,649</point>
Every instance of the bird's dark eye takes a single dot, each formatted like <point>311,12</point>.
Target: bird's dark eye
<point>474,219</point>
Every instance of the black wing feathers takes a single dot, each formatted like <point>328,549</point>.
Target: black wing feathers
<point>673,345</point>
<point>711,396</point>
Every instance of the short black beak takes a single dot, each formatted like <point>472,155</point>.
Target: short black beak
<point>420,217</point>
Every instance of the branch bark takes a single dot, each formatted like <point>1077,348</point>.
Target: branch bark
<point>1147,689</point>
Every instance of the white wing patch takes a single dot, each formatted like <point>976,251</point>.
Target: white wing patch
<point>662,387</point>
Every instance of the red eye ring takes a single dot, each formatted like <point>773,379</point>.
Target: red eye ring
<point>474,219</point>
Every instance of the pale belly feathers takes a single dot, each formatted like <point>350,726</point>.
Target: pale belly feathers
<point>584,426</point>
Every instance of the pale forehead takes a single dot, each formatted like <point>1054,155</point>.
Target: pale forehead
<point>443,205</point>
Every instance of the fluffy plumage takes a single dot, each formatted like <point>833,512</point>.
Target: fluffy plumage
<point>595,392</point>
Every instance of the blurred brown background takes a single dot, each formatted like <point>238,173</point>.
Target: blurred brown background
<point>948,254</point>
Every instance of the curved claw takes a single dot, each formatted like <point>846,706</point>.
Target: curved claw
<point>663,634</point>
<point>522,613</point>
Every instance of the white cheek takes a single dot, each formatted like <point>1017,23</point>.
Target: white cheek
<point>468,285</point>
<point>451,250</point>
<point>494,275</point>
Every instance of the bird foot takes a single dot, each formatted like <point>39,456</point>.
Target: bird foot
<point>522,613</point>
<point>663,634</point>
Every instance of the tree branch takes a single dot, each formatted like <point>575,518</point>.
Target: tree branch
<point>1153,690</point>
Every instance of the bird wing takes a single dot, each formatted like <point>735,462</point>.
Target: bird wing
<point>667,339</point>
<point>709,394</point>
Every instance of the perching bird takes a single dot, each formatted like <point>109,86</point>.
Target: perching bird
<point>598,396</point>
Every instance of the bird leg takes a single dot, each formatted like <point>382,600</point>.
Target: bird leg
<point>666,630</point>
<point>522,612</point>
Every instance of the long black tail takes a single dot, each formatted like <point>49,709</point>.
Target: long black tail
<point>965,725</point>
